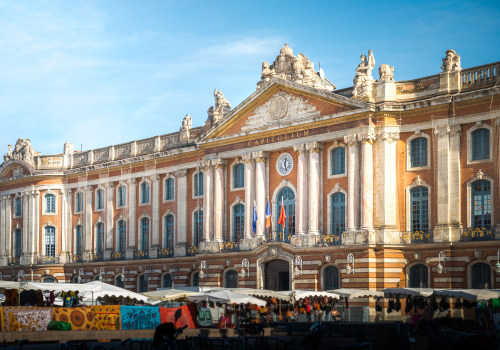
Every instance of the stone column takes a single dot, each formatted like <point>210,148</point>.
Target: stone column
<point>7,224</point>
<point>108,240</point>
<point>88,223</point>
<point>64,255</point>
<point>207,200</point>
<point>36,223</point>
<point>249,193</point>
<point>69,224</point>
<point>352,182</point>
<point>314,149</point>
<point>4,248</point>
<point>367,139</point>
<point>260,189</point>
<point>31,215</point>
<point>182,217</point>
<point>301,208</point>
<point>454,189</point>
<point>155,242</point>
<point>385,190</point>
<point>132,189</point>
<point>219,166</point>
<point>27,234</point>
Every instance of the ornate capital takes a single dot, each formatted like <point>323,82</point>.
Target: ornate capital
<point>367,135</point>
<point>219,163</point>
<point>388,135</point>
<point>247,158</point>
<point>90,187</point>
<point>455,130</point>
<point>181,173</point>
<point>109,184</point>
<point>205,164</point>
<point>351,140</point>
<point>314,147</point>
<point>132,181</point>
<point>299,149</point>
<point>260,156</point>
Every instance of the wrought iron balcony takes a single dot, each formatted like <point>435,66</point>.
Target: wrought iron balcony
<point>141,254</point>
<point>47,259</point>
<point>118,255</point>
<point>278,237</point>
<point>230,247</point>
<point>330,240</point>
<point>192,251</point>
<point>477,234</point>
<point>14,260</point>
<point>77,258</point>
<point>97,257</point>
<point>165,253</point>
<point>417,237</point>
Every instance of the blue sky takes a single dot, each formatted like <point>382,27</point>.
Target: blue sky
<point>98,73</point>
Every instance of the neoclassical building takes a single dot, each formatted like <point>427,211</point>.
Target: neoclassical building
<point>384,183</point>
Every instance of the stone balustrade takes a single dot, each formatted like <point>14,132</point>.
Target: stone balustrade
<point>485,74</point>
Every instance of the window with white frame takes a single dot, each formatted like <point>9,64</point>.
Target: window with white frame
<point>121,196</point>
<point>198,227</point>
<point>78,202</point>
<point>198,184</point>
<point>480,143</point>
<point>99,199</point>
<point>338,213</point>
<point>144,242</point>
<point>169,231</point>
<point>122,231</point>
<point>169,189</point>
<point>18,206</point>
<point>79,240</point>
<point>238,222</point>
<point>50,203</point>
<point>144,188</point>
<point>337,161</point>
<point>418,152</point>
<point>239,175</point>
<point>50,241</point>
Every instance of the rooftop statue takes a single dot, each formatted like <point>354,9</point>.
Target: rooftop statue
<point>298,69</point>
<point>451,62</point>
<point>185,130</point>
<point>386,73</point>
<point>363,80</point>
<point>22,151</point>
<point>219,110</point>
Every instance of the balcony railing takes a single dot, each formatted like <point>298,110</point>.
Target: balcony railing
<point>230,247</point>
<point>97,257</point>
<point>141,254</point>
<point>77,258</point>
<point>477,234</point>
<point>118,255</point>
<point>14,260</point>
<point>330,240</point>
<point>417,237</point>
<point>165,253</point>
<point>47,259</point>
<point>192,251</point>
<point>278,237</point>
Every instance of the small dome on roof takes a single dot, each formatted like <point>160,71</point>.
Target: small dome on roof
<point>286,50</point>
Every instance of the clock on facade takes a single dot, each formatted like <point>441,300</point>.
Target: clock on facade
<point>284,165</point>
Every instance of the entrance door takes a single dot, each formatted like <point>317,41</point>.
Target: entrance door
<point>277,275</point>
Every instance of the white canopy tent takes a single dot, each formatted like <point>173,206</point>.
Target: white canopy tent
<point>421,292</point>
<point>44,286</point>
<point>264,293</point>
<point>227,296</point>
<point>352,293</point>
<point>297,294</point>
<point>169,294</point>
<point>105,289</point>
<point>469,294</point>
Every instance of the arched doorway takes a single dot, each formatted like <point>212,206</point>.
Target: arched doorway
<point>277,275</point>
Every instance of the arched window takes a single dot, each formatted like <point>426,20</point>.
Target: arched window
<point>195,281</point>
<point>238,176</point>
<point>480,144</point>
<point>331,278</point>
<point>198,227</point>
<point>143,283</point>
<point>238,222</point>
<point>122,227</point>
<point>49,279</point>
<point>418,276</point>
<point>419,208</point>
<point>167,281</point>
<point>79,240</point>
<point>481,276</point>
<point>169,231</point>
<point>99,249</point>
<point>418,152</point>
<point>17,243</point>
<point>481,203</point>
<point>78,202</point>
<point>231,280</point>
<point>144,192</point>
<point>169,189</point>
<point>338,213</point>
<point>99,199</point>
<point>50,241</point>
<point>338,161</point>
<point>198,184</point>
<point>144,233</point>
<point>18,206</point>
<point>286,197</point>
<point>50,203</point>
<point>121,196</point>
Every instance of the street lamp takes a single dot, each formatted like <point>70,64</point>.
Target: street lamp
<point>20,275</point>
<point>122,276</point>
<point>497,266</point>
<point>101,272</point>
<point>298,266</point>
<point>203,265</point>
<point>350,260</point>
<point>245,263</point>
<point>441,257</point>
<point>79,278</point>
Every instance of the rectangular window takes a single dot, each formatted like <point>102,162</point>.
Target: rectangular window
<point>169,189</point>
<point>338,161</point>
<point>418,156</point>
<point>50,203</point>
<point>198,184</point>
<point>79,202</point>
<point>145,193</point>
<point>121,196</point>
<point>100,199</point>
<point>18,206</point>
<point>50,241</point>
<point>239,176</point>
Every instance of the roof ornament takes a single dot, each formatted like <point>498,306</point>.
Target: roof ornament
<point>185,130</point>
<point>363,81</point>
<point>22,151</point>
<point>451,62</point>
<point>221,108</point>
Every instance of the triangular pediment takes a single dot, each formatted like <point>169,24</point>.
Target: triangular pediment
<point>279,104</point>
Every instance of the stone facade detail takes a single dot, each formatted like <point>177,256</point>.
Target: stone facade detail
<point>219,110</point>
<point>185,130</point>
<point>451,62</point>
<point>22,151</point>
<point>363,81</point>
<point>386,73</point>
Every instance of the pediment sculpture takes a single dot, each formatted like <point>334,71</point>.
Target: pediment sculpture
<point>220,108</point>
<point>22,151</point>
<point>363,81</point>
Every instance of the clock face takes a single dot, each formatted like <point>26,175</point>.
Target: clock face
<point>284,165</point>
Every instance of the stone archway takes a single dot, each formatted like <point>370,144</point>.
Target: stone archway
<point>277,275</point>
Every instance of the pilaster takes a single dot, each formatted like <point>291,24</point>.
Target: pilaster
<point>249,193</point>
<point>88,223</point>
<point>352,181</point>
<point>64,255</point>
<point>219,195</point>
<point>366,138</point>
<point>207,200</point>
<point>302,188</point>
<point>314,149</point>
<point>181,216</point>
<point>155,242</point>
<point>108,241</point>
<point>4,248</point>
<point>69,228</point>
<point>132,189</point>
<point>260,189</point>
